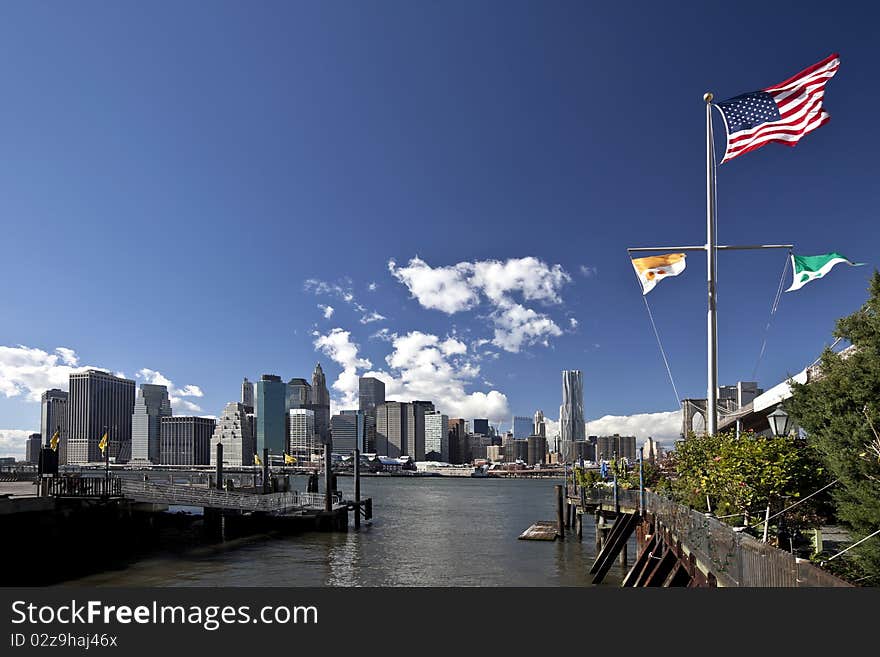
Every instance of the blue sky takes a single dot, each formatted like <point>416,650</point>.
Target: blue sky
<point>184,183</point>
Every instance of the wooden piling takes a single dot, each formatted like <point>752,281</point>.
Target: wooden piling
<point>560,517</point>
<point>580,526</point>
<point>219,472</point>
<point>357,488</point>
<point>328,484</point>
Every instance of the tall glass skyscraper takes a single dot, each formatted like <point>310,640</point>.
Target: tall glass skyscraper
<point>99,401</point>
<point>571,413</point>
<point>522,427</point>
<point>371,393</point>
<point>321,403</point>
<point>150,405</point>
<point>53,416</point>
<point>271,412</point>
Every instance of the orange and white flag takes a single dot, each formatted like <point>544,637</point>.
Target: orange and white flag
<point>653,268</point>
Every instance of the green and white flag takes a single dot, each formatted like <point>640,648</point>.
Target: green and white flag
<point>809,268</point>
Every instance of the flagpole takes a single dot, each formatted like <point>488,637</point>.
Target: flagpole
<point>712,318</point>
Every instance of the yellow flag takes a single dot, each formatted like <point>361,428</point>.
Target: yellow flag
<point>257,460</point>
<point>103,444</point>
<point>53,443</point>
<point>653,268</point>
<point>288,458</point>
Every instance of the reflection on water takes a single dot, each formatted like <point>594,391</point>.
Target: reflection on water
<point>425,532</point>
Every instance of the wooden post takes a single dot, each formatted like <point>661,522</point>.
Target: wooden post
<point>357,488</point>
<point>560,518</point>
<point>580,526</point>
<point>265,469</point>
<point>328,486</point>
<point>220,466</point>
<point>623,556</point>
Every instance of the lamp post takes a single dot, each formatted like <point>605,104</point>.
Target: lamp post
<point>779,422</point>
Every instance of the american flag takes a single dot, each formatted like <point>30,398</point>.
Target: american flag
<point>784,112</point>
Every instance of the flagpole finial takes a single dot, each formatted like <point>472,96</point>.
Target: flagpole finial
<point>708,96</point>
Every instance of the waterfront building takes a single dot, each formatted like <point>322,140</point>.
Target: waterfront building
<point>516,450</point>
<point>391,428</point>
<point>235,432</point>
<point>302,441</point>
<point>523,426</point>
<point>481,426</point>
<point>320,403</point>
<point>536,450</point>
<point>53,417</point>
<point>348,431</point>
<point>540,426</point>
<point>247,393</point>
<point>99,402</point>
<point>459,445</point>
<point>415,428</point>
<point>623,446</point>
<point>186,440</point>
<point>32,448</point>
<point>371,393</point>
<point>150,405</point>
<point>271,412</point>
<point>571,413</point>
<point>436,436</point>
<point>495,453</point>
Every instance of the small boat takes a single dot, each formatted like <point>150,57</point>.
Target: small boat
<point>480,472</point>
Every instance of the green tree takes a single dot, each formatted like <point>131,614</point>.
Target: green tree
<point>839,409</point>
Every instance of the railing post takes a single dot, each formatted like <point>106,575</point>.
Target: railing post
<point>328,486</point>
<point>560,519</point>
<point>265,469</point>
<point>357,488</point>
<point>219,466</point>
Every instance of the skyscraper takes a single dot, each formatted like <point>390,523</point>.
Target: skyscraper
<point>299,394</point>
<point>415,428</point>
<point>349,432</point>
<point>481,426</point>
<point>150,405</point>
<point>99,401</point>
<point>436,436</point>
<point>53,416</point>
<point>234,431</point>
<point>459,445</point>
<point>321,403</point>
<point>247,393</point>
<point>301,440</point>
<point>522,427</point>
<point>540,427</point>
<point>186,440</point>
<point>571,413</point>
<point>391,429</point>
<point>32,448</point>
<point>271,411</point>
<point>371,393</point>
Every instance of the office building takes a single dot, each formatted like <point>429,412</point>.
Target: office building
<point>320,404</point>
<point>523,427</point>
<point>650,450</point>
<point>348,432</point>
<point>150,405</point>
<point>539,427</point>
<point>371,393</point>
<point>481,426</point>
<point>436,437</point>
<point>495,453</point>
<point>391,429</point>
<point>32,448</point>
<point>247,393</point>
<point>415,428</point>
<point>236,435</point>
<point>53,417</point>
<point>571,413</point>
<point>271,421</point>
<point>185,440</point>
<point>459,443</point>
<point>623,446</point>
<point>516,450</point>
<point>302,441</point>
<point>99,402</point>
<point>536,452</point>
<point>299,394</point>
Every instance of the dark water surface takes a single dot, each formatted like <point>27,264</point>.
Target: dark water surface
<point>426,531</point>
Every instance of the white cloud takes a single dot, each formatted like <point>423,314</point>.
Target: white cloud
<point>372,286</point>
<point>175,394</point>
<point>327,310</point>
<point>337,346</point>
<point>30,371</point>
<point>572,322</point>
<point>12,442</point>
<point>372,317</point>
<point>588,272</point>
<point>463,286</point>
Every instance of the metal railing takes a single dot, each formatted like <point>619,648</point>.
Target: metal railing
<point>81,486</point>
<point>733,557</point>
<point>185,495</point>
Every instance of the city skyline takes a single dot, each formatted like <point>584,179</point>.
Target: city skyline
<point>539,185</point>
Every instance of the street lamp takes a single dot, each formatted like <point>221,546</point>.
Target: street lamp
<point>779,422</point>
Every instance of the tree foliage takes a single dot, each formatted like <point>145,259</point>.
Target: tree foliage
<point>840,410</point>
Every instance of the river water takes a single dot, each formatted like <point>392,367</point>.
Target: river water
<point>426,531</point>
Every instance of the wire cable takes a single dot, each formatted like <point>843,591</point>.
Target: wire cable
<point>773,308</point>
<point>662,350</point>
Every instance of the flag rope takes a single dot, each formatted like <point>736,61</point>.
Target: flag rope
<point>662,351</point>
<point>773,308</point>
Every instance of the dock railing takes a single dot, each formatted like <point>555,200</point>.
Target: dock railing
<point>735,558</point>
